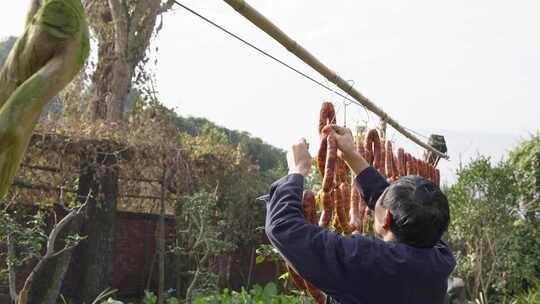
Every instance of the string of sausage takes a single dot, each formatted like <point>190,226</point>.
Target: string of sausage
<point>327,116</point>
<point>326,162</point>
<point>310,213</point>
<point>356,212</point>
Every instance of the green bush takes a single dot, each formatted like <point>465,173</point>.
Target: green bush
<point>258,295</point>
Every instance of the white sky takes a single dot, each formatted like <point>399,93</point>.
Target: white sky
<point>467,69</point>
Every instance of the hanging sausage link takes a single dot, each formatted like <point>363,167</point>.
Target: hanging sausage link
<point>329,170</point>
<point>308,207</point>
<point>402,167</point>
<point>327,116</point>
<point>341,195</point>
<point>325,199</point>
<point>355,221</point>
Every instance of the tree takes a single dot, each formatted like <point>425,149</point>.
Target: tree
<point>525,160</point>
<point>123,29</point>
<point>522,263</point>
<point>49,54</point>
<point>483,205</point>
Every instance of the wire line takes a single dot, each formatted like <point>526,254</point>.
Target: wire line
<point>263,52</point>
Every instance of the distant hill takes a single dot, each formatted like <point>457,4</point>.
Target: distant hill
<point>265,155</point>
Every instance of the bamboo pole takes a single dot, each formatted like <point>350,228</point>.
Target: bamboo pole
<point>292,46</point>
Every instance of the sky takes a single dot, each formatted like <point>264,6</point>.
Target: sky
<point>469,70</point>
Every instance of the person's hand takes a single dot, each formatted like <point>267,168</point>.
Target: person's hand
<point>345,142</point>
<point>347,149</point>
<point>299,159</point>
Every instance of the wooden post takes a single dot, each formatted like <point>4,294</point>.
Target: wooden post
<point>99,174</point>
<point>161,240</point>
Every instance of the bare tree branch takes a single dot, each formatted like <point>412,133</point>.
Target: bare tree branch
<point>11,268</point>
<point>60,226</point>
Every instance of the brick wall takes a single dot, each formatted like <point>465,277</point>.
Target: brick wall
<point>135,248</point>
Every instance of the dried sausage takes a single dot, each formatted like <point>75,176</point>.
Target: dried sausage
<point>355,216</point>
<point>373,148</point>
<point>321,156</point>
<point>316,294</point>
<point>408,163</point>
<point>395,168</point>
<point>330,166</point>
<point>339,203</point>
<point>327,115</point>
<point>308,203</point>
<point>342,171</point>
<point>346,194</point>
<point>327,205</point>
<point>391,162</point>
<point>296,278</point>
<point>401,162</point>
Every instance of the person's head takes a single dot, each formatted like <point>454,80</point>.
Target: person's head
<point>412,211</point>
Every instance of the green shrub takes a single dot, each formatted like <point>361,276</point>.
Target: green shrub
<point>257,295</point>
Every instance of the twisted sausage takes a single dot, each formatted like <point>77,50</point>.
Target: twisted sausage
<point>346,194</point>
<point>329,170</point>
<point>373,148</point>
<point>391,166</point>
<point>382,157</point>
<point>296,278</point>
<point>325,199</point>
<point>425,170</point>
<point>340,196</point>
<point>308,206</point>
<point>321,156</point>
<point>342,171</point>
<point>401,162</point>
<point>355,215</point>
<point>327,115</point>
<point>408,163</point>
<point>395,167</point>
<point>355,221</point>
<point>420,167</point>
<point>316,294</point>
<point>308,203</point>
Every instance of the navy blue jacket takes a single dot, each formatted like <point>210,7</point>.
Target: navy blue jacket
<point>354,269</point>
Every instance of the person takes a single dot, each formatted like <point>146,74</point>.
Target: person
<point>407,262</point>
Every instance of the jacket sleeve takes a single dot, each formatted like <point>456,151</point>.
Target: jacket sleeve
<point>327,260</point>
<point>371,184</point>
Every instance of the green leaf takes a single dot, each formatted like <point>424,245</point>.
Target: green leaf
<point>260,259</point>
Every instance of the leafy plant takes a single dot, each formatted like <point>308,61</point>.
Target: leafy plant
<point>268,294</point>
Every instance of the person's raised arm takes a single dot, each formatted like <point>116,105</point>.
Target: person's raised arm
<point>368,181</point>
<point>325,259</point>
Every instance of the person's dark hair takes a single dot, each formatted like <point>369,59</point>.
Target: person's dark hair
<point>419,209</point>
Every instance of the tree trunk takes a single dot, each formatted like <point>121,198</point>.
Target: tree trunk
<point>99,227</point>
<point>124,31</point>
